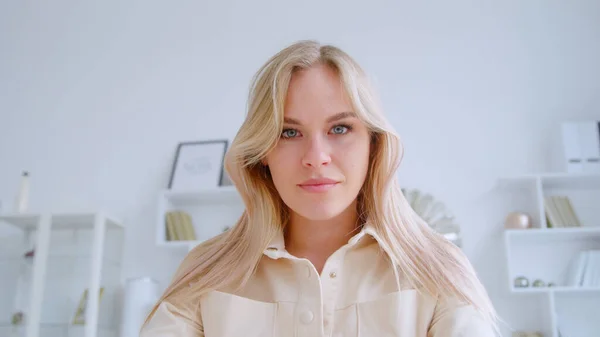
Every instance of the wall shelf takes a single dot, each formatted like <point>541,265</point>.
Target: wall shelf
<point>212,211</point>
<point>547,253</point>
<point>228,193</point>
<point>554,234</point>
<point>30,221</point>
<point>545,290</point>
<point>555,180</point>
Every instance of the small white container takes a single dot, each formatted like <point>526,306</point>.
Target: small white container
<point>139,297</point>
<point>22,200</point>
<point>581,146</point>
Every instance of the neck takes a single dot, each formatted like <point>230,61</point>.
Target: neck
<point>316,240</point>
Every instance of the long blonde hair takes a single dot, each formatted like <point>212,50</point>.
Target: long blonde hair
<point>427,260</point>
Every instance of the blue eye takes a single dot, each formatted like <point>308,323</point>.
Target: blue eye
<point>340,129</point>
<point>289,133</point>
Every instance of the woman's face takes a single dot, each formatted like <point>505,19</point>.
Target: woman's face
<point>321,159</point>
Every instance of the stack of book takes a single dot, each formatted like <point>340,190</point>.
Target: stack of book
<point>179,226</point>
<point>560,212</point>
<point>584,270</point>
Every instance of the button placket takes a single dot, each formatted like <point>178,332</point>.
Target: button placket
<point>330,283</point>
<point>329,296</point>
<point>307,312</point>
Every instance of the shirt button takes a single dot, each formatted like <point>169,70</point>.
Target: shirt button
<point>306,317</point>
<point>332,274</point>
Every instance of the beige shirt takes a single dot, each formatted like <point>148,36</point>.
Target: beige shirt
<point>358,294</point>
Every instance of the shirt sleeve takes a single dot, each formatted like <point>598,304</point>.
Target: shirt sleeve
<point>453,319</point>
<point>169,321</point>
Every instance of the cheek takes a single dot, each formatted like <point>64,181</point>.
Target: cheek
<point>354,155</point>
<point>280,163</point>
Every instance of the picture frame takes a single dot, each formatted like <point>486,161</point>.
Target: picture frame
<point>198,165</point>
<point>225,179</point>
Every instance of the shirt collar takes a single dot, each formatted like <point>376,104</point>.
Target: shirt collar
<point>277,246</point>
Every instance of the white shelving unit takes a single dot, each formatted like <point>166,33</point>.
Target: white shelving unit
<point>73,252</point>
<point>212,212</point>
<point>547,253</point>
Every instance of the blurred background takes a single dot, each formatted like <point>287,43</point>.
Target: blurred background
<point>497,103</point>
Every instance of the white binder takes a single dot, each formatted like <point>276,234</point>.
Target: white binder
<point>581,146</point>
<point>590,146</point>
<point>572,147</point>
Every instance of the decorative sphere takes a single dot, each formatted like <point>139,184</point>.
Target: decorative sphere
<point>517,220</point>
<point>521,282</point>
<point>539,283</point>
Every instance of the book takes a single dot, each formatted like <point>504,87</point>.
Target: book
<point>584,269</point>
<point>179,226</point>
<point>560,212</point>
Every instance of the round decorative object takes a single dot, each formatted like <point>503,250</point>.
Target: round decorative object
<point>521,282</point>
<point>539,283</point>
<point>517,220</point>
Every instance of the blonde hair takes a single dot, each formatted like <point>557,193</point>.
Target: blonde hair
<point>429,261</point>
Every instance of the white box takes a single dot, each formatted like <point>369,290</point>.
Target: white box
<point>589,138</point>
<point>581,146</point>
<point>572,147</point>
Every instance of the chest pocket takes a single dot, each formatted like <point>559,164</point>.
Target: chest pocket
<point>397,314</point>
<point>227,315</point>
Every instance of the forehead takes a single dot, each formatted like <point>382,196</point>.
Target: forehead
<point>316,92</point>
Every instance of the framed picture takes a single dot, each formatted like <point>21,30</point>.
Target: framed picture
<point>198,165</point>
<point>225,180</point>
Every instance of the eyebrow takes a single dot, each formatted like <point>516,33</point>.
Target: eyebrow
<point>336,117</point>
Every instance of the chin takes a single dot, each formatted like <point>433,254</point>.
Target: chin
<point>320,212</point>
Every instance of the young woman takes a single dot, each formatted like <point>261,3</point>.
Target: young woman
<point>327,245</point>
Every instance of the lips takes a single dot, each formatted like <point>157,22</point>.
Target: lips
<point>318,185</point>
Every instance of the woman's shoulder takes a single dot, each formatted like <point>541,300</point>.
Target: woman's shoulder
<point>173,319</point>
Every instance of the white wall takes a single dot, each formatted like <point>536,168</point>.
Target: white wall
<point>95,97</point>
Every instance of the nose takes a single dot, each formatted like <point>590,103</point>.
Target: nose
<point>317,153</point>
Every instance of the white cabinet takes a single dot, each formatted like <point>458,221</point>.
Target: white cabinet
<point>548,254</point>
<point>73,254</point>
